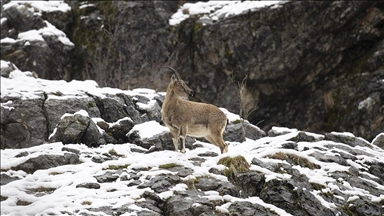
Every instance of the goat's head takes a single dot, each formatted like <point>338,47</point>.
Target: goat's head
<point>178,85</point>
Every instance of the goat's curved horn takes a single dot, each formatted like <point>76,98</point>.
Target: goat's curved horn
<point>174,71</point>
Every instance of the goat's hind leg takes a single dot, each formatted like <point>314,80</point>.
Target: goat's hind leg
<point>218,141</point>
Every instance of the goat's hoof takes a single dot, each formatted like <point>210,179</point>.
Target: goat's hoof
<point>183,151</point>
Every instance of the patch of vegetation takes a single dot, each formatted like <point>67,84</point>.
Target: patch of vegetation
<point>327,194</point>
<point>168,166</point>
<point>2,198</point>
<point>86,203</point>
<point>55,173</point>
<point>317,186</point>
<point>294,159</point>
<point>234,166</point>
<point>23,203</point>
<point>114,153</point>
<point>117,167</point>
<point>43,190</point>
<point>237,121</point>
<point>91,104</point>
<point>191,183</point>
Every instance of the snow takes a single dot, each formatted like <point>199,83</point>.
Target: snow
<point>46,6</point>
<point>214,10</point>
<point>149,129</point>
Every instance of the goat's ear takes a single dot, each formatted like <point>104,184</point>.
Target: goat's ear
<point>173,78</point>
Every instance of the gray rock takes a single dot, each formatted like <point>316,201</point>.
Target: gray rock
<point>76,151</point>
<point>188,203</point>
<point>248,208</point>
<point>47,161</point>
<point>161,183</point>
<point>208,154</point>
<point>379,140</point>
<point>251,183</point>
<point>223,187</point>
<point>5,179</point>
<point>303,137</point>
<point>346,139</point>
<point>233,132</point>
<point>55,107</point>
<point>120,129</point>
<point>77,129</point>
<point>90,185</point>
<point>25,125</point>
<point>107,177</point>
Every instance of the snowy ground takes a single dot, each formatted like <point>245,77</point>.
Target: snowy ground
<point>65,197</point>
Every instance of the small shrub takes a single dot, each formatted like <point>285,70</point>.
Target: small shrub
<point>86,203</point>
<point>294,159</point>
<point>234,165</point>
<point>117,167</point>
<point>168,166</point>
<point>114,153</point>
<point>22,203</point>
<point>191,183</point>
<point>316,186</point>
<point>44,190</point>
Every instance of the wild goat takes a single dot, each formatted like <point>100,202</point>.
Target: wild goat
<point>184,117</point>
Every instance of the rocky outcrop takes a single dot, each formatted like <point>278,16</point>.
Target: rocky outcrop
<point>80,116</point>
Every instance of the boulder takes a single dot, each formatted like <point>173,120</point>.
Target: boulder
<point>379,140</point>
<point>46,161</point>
<point>233,132</point>
<point>248,208</point>
<point>188,203</point>
<point>55,106</point>
<point>347,138</point>
<point>24,123</point>
<point>77,128</point>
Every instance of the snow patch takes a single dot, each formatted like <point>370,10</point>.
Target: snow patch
<point>215,10</point>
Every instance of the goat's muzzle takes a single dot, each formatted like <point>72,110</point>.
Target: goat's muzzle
<point>192,94</point>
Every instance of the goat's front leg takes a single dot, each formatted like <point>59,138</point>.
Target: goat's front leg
<point>183,142</point>
<point>175,138</point>
<point>176,143</point>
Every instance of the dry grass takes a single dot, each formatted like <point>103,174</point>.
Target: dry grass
<point>294,159</point>
<point>234,166</point>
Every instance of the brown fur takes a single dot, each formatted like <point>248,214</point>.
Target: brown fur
<point>184,117</point>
